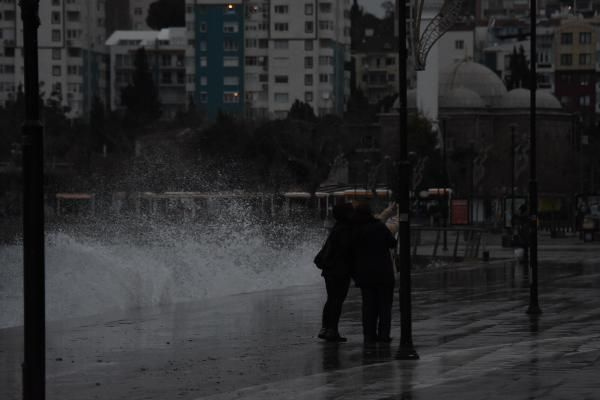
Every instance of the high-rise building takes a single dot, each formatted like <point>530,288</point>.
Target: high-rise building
<point>72,66</point>
<point>255,58</point>
<point>138,11</point>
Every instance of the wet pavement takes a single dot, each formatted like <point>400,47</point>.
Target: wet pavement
<point>471,330</point>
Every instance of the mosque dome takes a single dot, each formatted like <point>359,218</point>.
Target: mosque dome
<point>475,77</point>
<point>461,97</point>
<point>519,98</point>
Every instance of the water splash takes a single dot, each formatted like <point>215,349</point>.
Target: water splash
<point>97,267</point>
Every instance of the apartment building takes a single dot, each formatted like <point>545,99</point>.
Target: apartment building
<point>138,11</point>
<point>72,66</point>
<point>255,58</point>
<point>165,50</point>
<point>575,63</point>
<point>8,43</point>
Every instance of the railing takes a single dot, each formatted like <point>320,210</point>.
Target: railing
<point>467,248</point>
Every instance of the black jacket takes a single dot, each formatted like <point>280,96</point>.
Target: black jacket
<point>373,265</point>
<point>339,260</point>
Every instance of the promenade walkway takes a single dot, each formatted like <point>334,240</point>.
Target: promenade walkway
<point>470,329</point>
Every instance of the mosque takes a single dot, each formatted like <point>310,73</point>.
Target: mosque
<point>480,122</point>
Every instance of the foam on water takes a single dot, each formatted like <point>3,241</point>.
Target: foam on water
<point>141,263</point>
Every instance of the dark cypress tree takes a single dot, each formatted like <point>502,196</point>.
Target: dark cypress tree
<point>166,14</point>
<point>141,96</point>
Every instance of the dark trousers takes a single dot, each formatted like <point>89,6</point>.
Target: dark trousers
<point>337,290</point>
<point>377,311</point>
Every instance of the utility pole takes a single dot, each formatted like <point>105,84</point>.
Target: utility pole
<point>34,364</point>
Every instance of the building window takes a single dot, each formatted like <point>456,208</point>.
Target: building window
<point>230,45</point>
<point>56,70</point>
<point>55,17</point>
<point>281,98</point>
<point>165,77</point>
<point>566,59</point>
<point>56,2</point>
<point>566,38</point>
<point>204,97</point>
<point>308,9</point>
<point>56,54</point>
<point>281,79</point>
<point>309,27</point>
<point>231,80</point>
<point>323,78</point>
<point>263,43</point>
<point>231,62</point>
<point>230,27</point>
<point>251,43</point>
<point>391,77</point>
<point>165,60</point>
<point>137,11</point>
<point>308,62</point>
<point>203,81</point>
<point>202,28</point>
<point>308,97</point>
<point>459,44</point>
<point>281,44</point>
<point>308,45</point>
<point>326,25</point>
<point>202,45</point>
<point>281,26</point>
<point>55,35</point>
<point>308,80</point>
<point>585,37</point>
<point>231,97</point>
<point>281,9</point>
<point>203,61</point>
<point>325,7</point>
<point>325,60</point>
<point>585,59</point>
<point>584,100</point>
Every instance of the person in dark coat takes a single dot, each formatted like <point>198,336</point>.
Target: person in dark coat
<point>374,273</point>
<point>336,266</point>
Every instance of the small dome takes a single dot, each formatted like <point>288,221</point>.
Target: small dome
<point>461,98</point>
<point>411,100</point>
<point>519,98</point>
<point>475,77</point>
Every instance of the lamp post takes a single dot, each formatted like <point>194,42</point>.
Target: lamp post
<point>513,127</point>
<point>421,43</point>
<point>446,195</point>
<point>34,367</point>
<point>534,307</point>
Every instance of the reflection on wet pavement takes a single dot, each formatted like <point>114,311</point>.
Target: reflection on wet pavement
<point>470,329</point>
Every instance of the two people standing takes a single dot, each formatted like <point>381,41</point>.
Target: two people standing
<point>358,248</point>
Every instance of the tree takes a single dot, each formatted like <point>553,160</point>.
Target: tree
<point>519,70</point>
<point>141,96</point>
<point>166,14</point>
<point>302,111</point>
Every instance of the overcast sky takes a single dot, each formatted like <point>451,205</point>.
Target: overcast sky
<point>372,6</point>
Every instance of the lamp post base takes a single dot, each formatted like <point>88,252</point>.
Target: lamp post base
<point>407,353</point>
<point>534,309</point>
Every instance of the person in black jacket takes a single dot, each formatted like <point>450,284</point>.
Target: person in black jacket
<point>335,261</point>
<point>374,273</point>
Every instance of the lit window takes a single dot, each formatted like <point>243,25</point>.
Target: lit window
<point>231,97</point>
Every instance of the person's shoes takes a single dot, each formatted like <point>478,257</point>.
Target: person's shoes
<point>332,335</point>
<point>322,333</point>
<point>369,340</point>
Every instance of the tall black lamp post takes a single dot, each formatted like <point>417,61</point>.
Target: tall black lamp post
<point>513,128</point>
<point>534,307</point>
<point>34,365</point>
<point>421,43</point>
<point>407,350</point>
